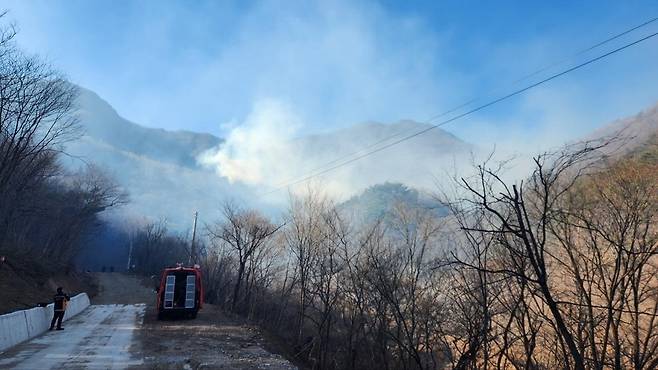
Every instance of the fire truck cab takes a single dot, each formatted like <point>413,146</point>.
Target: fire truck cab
<point>180,292</point>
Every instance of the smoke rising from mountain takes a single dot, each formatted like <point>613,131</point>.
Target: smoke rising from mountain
<point>257,152</point>
<point>267,152</point>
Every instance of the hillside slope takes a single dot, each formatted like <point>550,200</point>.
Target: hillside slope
<point>163,176</point>
<point>157,168</point>
<point>23,287</point>
<point>415,162</point>
<point>638,133</point>
<point>103,126</point>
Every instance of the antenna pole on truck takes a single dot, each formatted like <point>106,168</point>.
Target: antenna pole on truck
<point>192,247</point>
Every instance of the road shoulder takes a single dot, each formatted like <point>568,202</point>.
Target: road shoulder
<point>211,341</point>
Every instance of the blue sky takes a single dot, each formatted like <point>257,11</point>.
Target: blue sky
<point>207,65</point>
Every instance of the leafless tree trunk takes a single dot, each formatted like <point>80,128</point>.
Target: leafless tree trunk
<point>304,235</point>
<point>36,117</point>
<point>519,217</point>
<point>246,233</point>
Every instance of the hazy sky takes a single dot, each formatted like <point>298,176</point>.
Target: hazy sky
<point>206,65</point>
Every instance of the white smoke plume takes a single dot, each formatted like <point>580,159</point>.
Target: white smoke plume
<point>257,152</point>
<point>270,151</point>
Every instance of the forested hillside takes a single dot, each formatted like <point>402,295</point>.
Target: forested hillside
<point>154,165</point>
<point>361,260</point>
<point>45,211</point>
<point>557,269</point>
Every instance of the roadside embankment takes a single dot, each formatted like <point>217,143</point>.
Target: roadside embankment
<point>19,326</point>
<point>24,283</point>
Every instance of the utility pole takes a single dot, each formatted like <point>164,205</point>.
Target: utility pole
<point>192,247</point>
<point>130,251</point>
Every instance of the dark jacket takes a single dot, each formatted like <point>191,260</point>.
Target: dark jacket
<point>60,300</point>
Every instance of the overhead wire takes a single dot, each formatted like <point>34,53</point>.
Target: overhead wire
<point>469,112</point>
<point>284,184</point>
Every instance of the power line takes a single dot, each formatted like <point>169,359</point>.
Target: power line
<point>478,108</point>
<point>465,104</point>
<point>581,52</point>
<point>381,141</point>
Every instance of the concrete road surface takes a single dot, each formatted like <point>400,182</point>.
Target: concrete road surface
<point>98,338</point>
<point>120,331</point>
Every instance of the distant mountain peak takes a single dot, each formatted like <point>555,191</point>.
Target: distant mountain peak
<point>161,170</point>
<point>101,122</point>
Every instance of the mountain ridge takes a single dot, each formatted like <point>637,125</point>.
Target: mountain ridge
<point>161,170</point>
<point>162,173</point>
<point>102,122</point>
<point>632,132</point>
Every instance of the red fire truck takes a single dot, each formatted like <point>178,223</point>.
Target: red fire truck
<point>180,292</point>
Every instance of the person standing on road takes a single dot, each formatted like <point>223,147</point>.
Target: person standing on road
<point>60,299</point>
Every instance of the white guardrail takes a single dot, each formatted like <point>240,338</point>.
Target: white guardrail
<point>19,326</point>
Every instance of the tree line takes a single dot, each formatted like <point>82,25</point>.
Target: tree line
<point>556,271</point>
<point>45,210</point>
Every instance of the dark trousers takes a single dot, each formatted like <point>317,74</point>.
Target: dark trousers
<point>58,316</point>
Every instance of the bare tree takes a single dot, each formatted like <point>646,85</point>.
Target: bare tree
<point>85,196</point>
<point>36,117</point>
<point>609,240</point>
<point>147,247</point>
<point>245,232</point>
<point>402,273</point>
<point>304,236</point>
<point>520,217</point>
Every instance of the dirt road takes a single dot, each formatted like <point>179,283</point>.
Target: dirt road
<point>211,341</point>
<point>120,331</point>
<point>116,288</point>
